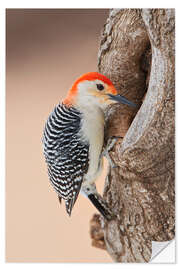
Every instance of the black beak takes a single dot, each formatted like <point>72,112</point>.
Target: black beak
<point>122,100</point>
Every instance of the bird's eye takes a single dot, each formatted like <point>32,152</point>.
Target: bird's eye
<point>100,86</point>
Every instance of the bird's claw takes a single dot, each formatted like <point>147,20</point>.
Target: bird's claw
<point>110,144</point>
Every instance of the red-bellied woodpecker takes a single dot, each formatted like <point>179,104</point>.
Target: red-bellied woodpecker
<point>73,139</point>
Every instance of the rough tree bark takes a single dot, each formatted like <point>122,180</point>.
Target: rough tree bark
<point>141,189</point>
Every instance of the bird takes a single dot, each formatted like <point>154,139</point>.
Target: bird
<point>73,140</point>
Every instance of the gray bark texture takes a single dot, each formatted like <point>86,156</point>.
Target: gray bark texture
<point>137,52</point>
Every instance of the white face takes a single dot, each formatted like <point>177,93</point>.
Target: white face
<point>94,93</point>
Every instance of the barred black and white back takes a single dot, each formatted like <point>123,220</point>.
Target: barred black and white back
<point>66,154</point>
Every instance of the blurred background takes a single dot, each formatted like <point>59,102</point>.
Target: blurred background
<point>46,51</point>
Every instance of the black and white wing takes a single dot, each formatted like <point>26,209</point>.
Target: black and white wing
<point>66,154</point>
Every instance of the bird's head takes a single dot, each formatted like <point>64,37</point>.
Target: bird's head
<point>93,89</point>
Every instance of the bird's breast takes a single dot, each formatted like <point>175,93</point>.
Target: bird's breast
<point>92,129</point>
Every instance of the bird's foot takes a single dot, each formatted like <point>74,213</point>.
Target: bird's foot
<point>110,144</point>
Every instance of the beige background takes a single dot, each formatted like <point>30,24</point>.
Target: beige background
<point>46,51</point>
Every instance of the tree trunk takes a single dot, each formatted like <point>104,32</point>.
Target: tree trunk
<point>141,189</point>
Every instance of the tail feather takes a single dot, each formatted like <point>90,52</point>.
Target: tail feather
<point>101,206</point>
<point>60,199</point>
